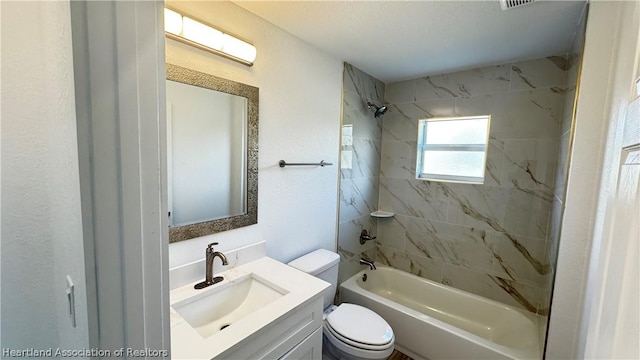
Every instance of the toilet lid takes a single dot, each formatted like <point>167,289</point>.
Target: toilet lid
<point>360,325</point>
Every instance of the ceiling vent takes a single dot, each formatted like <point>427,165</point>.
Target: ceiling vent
<point>510,4</point>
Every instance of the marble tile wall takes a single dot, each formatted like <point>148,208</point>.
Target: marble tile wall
<point>557,209</point>
<point>360,168</point>
<point>490,239</point>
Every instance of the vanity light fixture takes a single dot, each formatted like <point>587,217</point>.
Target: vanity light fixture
<point>195,33</point>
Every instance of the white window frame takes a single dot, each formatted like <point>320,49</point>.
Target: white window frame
<point>423,146</point>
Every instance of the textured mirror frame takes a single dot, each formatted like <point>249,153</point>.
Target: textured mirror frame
<point>196,78</point>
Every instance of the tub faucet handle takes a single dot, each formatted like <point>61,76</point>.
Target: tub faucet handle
<point>365,236</point>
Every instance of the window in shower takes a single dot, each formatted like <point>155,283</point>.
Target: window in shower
<point>453,149</point>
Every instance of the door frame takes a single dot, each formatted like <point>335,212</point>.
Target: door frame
<point>119,75</point>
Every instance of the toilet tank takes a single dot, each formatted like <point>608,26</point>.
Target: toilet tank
<point>322,264</point>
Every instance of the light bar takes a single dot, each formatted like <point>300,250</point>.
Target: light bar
<point>195,33</point>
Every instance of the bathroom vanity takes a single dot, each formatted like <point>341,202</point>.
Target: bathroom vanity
<point>262,309</point>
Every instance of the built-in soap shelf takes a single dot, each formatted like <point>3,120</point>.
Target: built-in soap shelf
<point>382,214</point>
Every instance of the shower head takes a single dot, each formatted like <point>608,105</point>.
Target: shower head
<point>378,110</point>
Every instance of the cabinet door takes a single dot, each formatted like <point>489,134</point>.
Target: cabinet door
<point>308,349</point>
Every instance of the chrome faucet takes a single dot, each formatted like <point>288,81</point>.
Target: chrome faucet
<point>208,277</point>
<point>369,263</point>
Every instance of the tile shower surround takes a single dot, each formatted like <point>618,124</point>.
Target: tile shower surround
<point>359,184</point>
<point>491,239</point>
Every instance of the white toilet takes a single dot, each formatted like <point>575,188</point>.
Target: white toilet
<point>350,331</point>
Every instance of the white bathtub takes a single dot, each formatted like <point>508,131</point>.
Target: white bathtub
<point>433,321</point>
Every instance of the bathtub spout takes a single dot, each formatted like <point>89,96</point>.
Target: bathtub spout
<point>369,263</point>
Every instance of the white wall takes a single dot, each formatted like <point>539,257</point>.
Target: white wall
<point>300,100</point>
<point>609,54</point>
<point>41,223</point>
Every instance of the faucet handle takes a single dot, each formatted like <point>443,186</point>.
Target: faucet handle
<point>210,246</point>
<point>365,236</point>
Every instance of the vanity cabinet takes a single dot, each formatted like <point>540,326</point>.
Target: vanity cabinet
<point>309,349</point>
<point>296,335</point>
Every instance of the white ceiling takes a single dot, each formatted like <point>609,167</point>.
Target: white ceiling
<point>399,40</point>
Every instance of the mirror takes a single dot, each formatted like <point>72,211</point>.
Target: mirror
<point>212,154</point>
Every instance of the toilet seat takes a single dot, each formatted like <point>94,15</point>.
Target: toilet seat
<point>359,329</point>
<point>353,343</point>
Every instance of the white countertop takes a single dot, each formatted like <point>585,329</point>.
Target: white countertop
<point>187,343</point>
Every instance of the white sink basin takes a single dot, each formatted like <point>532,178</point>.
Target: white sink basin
<point>214,309</point>
<point>254,298</point>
